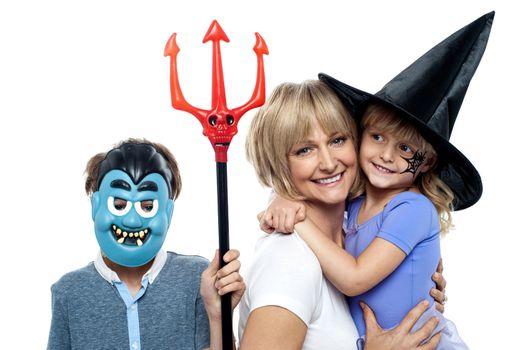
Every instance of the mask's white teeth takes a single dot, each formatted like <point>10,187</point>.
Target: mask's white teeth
<point>114,227</point>
<point>141,234</point>
<point>121,240</point>
<point>136,234</point>
<point>139,242</point>
<point>125,234</point>
<point>118,231</point>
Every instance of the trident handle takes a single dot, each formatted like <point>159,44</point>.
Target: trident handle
<point>219,125</point>
<point>224,246</point>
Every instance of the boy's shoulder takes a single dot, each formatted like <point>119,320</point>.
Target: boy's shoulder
<point>75,279</point>
<point>189,263</point>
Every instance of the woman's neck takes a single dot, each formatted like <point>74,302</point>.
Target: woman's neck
<point>328,218</point>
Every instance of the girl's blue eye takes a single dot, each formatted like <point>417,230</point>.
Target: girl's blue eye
<point>406,148</point>
<point>377,137</point>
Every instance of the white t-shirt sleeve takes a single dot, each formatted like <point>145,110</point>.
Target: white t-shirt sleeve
<point>285,273</point>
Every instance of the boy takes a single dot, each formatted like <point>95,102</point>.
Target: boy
<point>136,295</point>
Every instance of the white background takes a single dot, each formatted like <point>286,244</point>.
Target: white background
<point>76,77</point>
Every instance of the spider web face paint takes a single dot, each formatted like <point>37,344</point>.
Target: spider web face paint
<point>414,162</point>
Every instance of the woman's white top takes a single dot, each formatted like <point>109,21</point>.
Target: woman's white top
<point>286,273</point>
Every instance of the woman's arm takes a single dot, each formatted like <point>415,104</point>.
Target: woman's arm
<point>400,337</point>
<point>216,282</point>
<point>352,276</point>
<point>273,327</point>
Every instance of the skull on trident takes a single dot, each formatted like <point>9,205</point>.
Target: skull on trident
<point>219,123</point>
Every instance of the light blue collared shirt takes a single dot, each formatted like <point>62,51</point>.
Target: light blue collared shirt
<point>132,312</point>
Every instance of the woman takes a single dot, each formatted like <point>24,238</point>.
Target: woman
<point>302,143</point>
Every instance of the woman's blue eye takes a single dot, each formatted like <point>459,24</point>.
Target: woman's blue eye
<point>302,151</point>
<point>339,140</point>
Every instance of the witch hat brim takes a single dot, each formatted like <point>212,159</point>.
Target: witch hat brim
<point>429,94</point>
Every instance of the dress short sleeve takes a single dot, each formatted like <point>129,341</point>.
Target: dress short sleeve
<point>409,219</point>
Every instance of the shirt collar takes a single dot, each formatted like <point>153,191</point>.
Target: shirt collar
<point>111,276</point>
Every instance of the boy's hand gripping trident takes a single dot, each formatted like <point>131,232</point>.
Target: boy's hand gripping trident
<point>219,125</point>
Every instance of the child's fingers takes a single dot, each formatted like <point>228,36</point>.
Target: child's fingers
<point>232,288</point>
<point>289,223</point>
<point>265,222</point>
<point>213,266</point>
<point>229,268</point>
<point>232,254</point>
<point>228,279</point>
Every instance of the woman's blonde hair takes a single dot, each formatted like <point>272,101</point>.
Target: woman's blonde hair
<point>287,119</point>
<point>428,183</point>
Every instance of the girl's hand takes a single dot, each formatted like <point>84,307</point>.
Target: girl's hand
<point>281,215</point>
<point>400,337</point>
<point>216,282</point>
<point>439,293</point>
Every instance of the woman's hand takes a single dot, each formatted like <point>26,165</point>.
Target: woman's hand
<point>216,282</point>
<point>439,293</point>
<point>281,215</point>
<point>400,337</point>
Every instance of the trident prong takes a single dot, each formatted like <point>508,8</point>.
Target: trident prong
<point>258,96</point>
<point>219,123</point>
<point>178,101</point>
<point>215,34</point>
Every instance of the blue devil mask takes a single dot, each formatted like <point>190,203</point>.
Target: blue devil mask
<point>132,208</point>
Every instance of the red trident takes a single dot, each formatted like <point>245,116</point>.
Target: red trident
<point>219,125</point>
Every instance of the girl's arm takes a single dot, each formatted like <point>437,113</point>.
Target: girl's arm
<point>352,276</point>
<point>281,215</point>
<point>273,327</point>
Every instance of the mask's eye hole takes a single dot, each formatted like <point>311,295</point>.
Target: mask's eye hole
<point>229,119</point>
<point>147,208</point>
<point>212,120</point>
<point>118,206</point>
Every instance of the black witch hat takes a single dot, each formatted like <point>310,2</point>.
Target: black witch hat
<point>429,94</point>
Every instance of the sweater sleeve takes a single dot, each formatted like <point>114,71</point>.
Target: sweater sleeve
<point>59,337</point>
